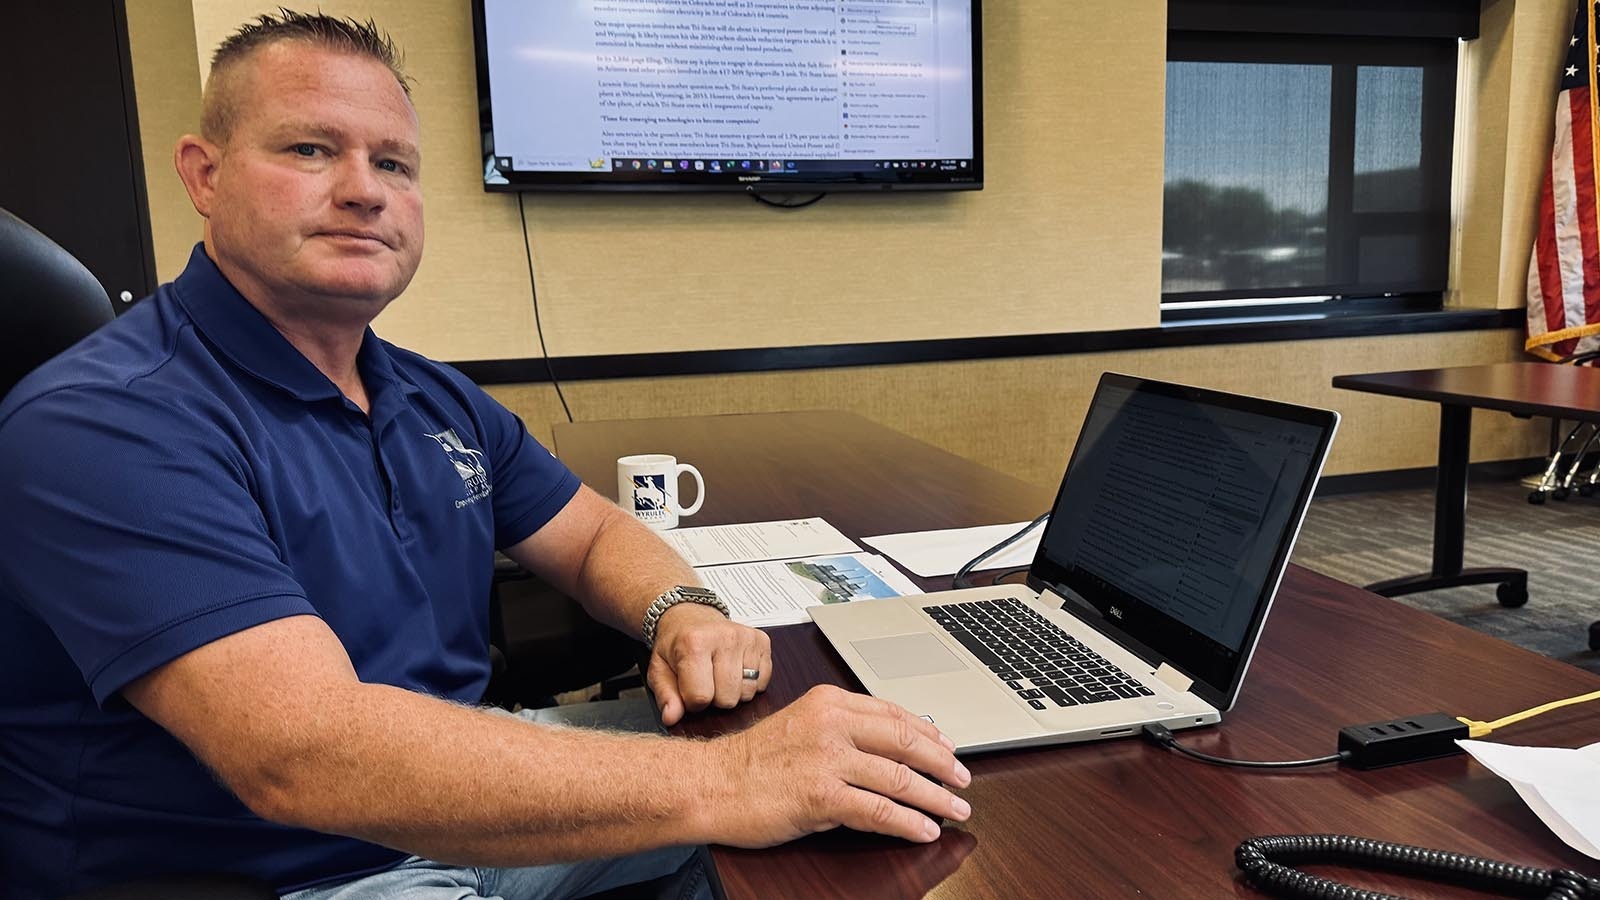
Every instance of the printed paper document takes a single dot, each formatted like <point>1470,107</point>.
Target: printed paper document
<point>777,593</point>
<point>1561,786</point>
<point>715,545</point>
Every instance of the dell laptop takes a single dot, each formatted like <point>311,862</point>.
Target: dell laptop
<point>1162,554</point>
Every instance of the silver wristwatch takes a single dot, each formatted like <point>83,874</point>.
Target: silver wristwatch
<point>683,593</point>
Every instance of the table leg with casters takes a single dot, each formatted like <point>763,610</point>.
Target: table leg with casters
<point>1450,524</point>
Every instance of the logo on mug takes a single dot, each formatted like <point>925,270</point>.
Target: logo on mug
<point>647,487</point>
<point>650,495</point>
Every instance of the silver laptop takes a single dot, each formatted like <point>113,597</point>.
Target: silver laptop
<point>1144,603</point>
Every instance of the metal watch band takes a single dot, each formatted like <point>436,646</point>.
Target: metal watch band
<point>671,597</point>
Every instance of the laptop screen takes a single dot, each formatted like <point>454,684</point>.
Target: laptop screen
<point>1176,518</point>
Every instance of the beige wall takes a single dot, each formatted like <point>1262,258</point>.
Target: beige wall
<point>1065,238</point>
<point>1075,160</point>
<point>1508,83</point>
<point>166,82</point>
<point>1074,151</point>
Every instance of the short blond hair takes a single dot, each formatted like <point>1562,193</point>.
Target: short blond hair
<point>347,35</point>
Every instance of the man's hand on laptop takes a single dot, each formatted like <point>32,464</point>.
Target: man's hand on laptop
<point>835,758</point>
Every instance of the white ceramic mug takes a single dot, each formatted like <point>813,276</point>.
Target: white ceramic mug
<point>647,486</point>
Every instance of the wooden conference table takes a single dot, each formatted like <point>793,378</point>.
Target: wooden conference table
<point>1117,818</point>
<point>1519,388</point>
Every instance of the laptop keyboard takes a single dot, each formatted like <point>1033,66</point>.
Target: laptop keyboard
<point>1032,655</point>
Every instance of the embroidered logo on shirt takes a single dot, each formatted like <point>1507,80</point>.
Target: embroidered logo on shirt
<point>469,465</point>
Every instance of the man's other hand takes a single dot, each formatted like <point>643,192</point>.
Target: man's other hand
<point>835,758</point>
<point>700,658</point>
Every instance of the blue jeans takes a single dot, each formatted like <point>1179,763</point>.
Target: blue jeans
<point>423,879</point>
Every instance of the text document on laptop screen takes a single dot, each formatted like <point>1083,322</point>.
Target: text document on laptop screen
<point>1172,517</point>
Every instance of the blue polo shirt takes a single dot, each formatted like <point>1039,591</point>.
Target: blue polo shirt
<point>181,475</point>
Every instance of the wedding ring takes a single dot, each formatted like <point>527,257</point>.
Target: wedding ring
<point>752,674</point>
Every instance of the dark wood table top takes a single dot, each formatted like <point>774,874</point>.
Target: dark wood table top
<point>1119,818</point>
<point>1524,388</point>
<point>864,478</point>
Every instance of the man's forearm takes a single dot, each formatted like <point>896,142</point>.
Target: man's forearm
<point>278,712</point>
<point>465,786</point>
<point>615,567</point>
<point>626,568</point>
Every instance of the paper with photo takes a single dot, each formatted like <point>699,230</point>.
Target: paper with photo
<point>778,593</point>
<point>1561,786</point>
<point>715,545</point>
<point>932,553</point>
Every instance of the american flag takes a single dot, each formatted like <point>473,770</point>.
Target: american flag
<point>1564,274</point>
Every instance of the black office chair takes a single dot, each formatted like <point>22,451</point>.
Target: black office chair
<point>48,302</point>
<point>543,644</point>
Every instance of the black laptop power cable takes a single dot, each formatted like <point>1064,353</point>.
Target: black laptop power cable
<point>1374,745</point>
<point>963,575</point>
<point>1159,734</point>
<point>538,326</point>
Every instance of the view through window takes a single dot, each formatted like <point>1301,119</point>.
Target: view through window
<point>1306,168</point>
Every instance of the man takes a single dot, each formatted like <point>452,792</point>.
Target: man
<point>243,580</point>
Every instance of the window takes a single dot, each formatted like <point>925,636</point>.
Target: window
<point>1306,168</point>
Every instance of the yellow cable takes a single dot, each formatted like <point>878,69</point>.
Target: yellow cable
<point>1479,729</point>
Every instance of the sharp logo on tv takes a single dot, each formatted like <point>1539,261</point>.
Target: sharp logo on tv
<point>819,92</point>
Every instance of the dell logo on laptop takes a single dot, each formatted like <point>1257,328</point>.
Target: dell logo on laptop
<point>1116,612</point>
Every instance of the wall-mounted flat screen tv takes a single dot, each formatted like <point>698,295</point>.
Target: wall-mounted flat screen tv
<point>718,95</point>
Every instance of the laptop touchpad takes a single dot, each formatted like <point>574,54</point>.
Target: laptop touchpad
<point>905,655</point>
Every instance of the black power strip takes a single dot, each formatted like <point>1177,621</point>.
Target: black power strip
<point>1397,741</point>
